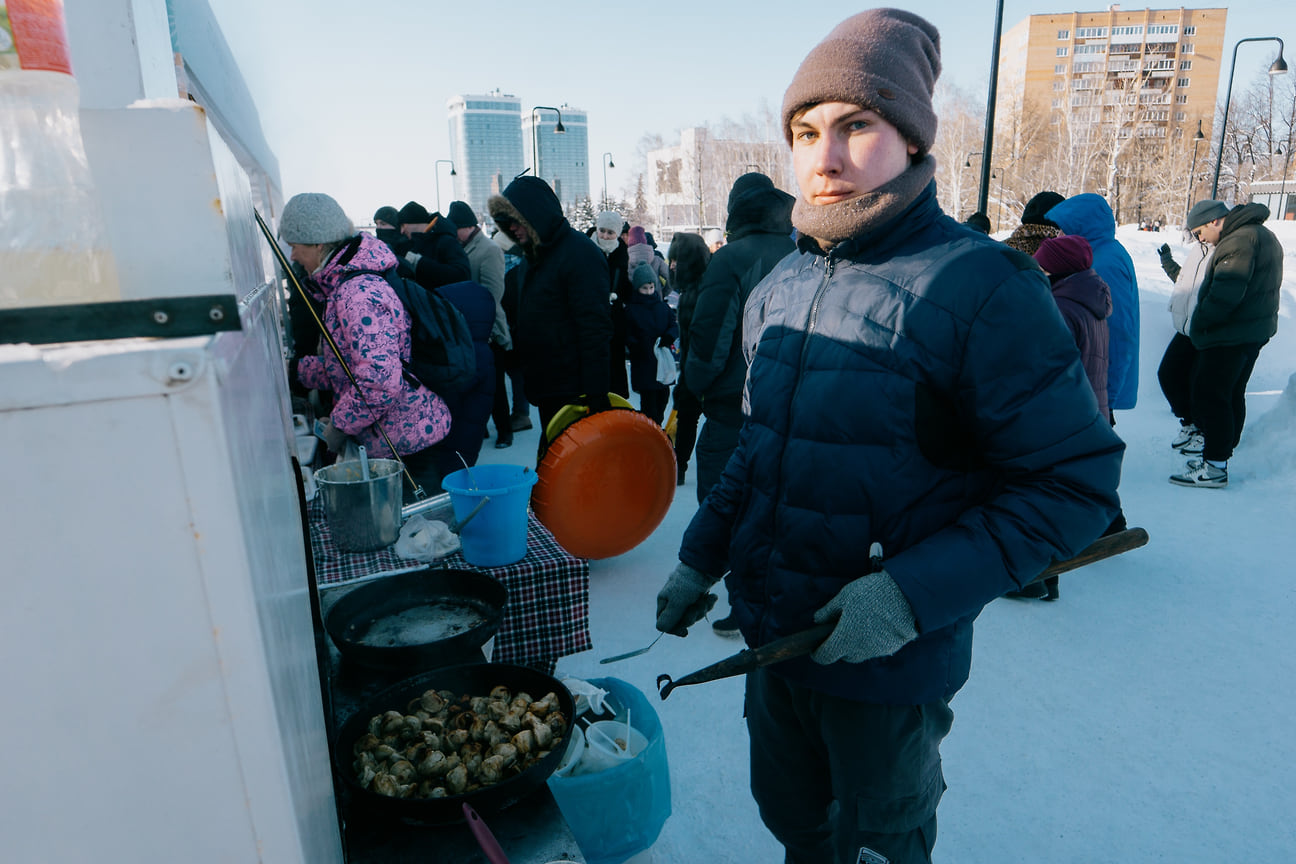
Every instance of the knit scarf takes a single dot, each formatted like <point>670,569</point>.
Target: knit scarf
<point>830,224</point>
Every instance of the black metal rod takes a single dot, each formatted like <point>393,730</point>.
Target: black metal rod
<point>1228,97</point>
<point>987,146</point>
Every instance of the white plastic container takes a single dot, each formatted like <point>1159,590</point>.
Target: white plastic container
<point>53,246</point>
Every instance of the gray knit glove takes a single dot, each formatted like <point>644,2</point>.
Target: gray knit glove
<point>412,258</point>
<point>875,621</point>
<point>684,599</point>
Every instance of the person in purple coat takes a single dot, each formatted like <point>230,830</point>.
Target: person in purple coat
<point>371,329</point>
<point>1084,300</point>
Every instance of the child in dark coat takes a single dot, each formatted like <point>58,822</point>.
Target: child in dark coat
<point>649,322</point>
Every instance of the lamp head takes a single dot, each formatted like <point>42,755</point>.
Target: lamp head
<point>1279,66</point>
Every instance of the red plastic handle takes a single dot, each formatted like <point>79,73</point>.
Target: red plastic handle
<point>485,839</point>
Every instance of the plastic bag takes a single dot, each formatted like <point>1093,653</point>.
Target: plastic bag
<point>425,540</point>
<point>617,813</point>
<point>667,368</point>
<point>672,426</point>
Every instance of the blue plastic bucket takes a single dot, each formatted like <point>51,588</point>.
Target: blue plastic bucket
<point>498,534</point>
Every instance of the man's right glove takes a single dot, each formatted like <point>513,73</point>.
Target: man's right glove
<point>684,600</point>
<point>412,258</point>
<point>1164,252</point>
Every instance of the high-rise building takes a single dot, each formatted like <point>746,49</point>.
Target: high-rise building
<point>1149,74</point>
<point>485,145</point>
<point>563,156</point>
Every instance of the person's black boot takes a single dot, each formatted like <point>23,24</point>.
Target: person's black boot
<point>503,439</point>
<point>1051,588</point>
<point>1033,591</point>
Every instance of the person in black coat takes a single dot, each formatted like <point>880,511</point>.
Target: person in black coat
<point>687,258</point>
<point>649,322</point>
<point>433,256</point>
<point>564,325</point>
<point>470,408</point>
<point>759,230</point>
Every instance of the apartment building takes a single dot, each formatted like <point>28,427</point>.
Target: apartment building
<point>687,184</point>
<point>1148,73</point>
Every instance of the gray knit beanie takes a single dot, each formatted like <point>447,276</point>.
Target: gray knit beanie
<point>884,59</point>
<point>609,220</point>
<point>312,218</point>
<point>1206,210</point>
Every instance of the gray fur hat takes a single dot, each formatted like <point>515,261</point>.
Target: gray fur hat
<point>311,218</point>
<point>884,59</point>
<point>1206,210</point>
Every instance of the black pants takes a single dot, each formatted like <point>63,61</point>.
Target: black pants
<point>1219,383</point>
<point>833,777</point>
<point>1175,375</point>
<point>500,407</point>
<point>653,403</point>
<point>716,443</point>
<point>688,410</point>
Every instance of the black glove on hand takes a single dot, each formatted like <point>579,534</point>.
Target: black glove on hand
<point>334,438</point>
<point>684,600</point>
<point>598,402</point>
<point>875,621</point>
<point>1164,250</point>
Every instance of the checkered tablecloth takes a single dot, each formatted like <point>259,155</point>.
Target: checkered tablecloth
<point>547,614</point>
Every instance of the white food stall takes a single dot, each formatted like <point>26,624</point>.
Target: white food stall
<point>162,697</point>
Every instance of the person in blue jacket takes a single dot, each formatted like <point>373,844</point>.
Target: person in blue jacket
<point>1089,216</point>
<point>919,437</point>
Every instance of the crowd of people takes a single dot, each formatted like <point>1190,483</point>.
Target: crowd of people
<point>901,417</point>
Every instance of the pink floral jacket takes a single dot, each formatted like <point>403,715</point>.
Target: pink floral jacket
<point>372,330</point>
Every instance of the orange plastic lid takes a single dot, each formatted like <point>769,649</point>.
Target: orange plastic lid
<point>39,35</point>
<point>605,483</point>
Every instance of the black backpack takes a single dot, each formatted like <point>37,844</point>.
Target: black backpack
<point>442,355</point>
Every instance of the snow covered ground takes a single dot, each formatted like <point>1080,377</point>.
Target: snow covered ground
<point>1146,716</point>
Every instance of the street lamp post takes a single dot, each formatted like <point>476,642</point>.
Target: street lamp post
<point>1192,172</point>
<point>535,133</point>
<point>1278,67</point>
<point>607,163</point>
<point>435,166</point>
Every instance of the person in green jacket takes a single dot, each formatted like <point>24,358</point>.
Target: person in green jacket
<point>1236,314</point>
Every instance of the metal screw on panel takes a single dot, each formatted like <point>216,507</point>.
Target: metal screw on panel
<point>216,314</point>
<point>161,317</point>
<point>180,371</point>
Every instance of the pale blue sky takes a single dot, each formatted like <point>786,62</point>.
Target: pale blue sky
<point>352,95</point>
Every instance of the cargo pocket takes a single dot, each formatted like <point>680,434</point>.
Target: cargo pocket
<point>903,814</point>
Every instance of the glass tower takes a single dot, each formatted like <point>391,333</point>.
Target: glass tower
<point>564,157</point>
<point>486,146</point>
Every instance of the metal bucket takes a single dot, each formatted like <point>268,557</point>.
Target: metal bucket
<point>363,515</point>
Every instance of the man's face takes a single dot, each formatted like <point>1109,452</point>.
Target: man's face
<point>841,151</point>
<point>465,233</point>
<point>1210,232</point>
<point>607,234</point>
<point>307,255</point>
<point>518,232</point>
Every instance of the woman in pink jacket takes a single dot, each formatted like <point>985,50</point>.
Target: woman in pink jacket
<point>371,329</point>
